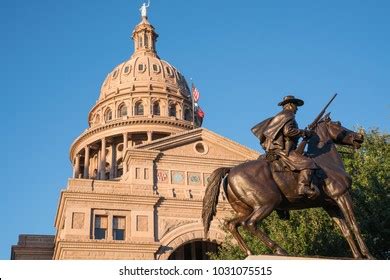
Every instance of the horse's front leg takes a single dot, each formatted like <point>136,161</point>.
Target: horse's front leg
<point>345,203</point>
<point>337,216</point>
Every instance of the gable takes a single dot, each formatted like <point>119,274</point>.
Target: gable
<point>202,143</point>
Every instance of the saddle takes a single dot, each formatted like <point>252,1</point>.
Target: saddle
<point>287,179</point>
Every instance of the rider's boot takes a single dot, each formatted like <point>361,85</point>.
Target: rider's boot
<point>305,188</point>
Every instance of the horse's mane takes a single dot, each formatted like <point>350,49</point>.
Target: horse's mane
<point>312,148</point>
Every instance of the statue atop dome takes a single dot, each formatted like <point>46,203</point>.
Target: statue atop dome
<point>144,10</point>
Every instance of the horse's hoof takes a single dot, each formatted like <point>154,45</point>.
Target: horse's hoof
<point>281,252</point>
<point>369,256</point>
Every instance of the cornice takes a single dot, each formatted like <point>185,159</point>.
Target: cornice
<point>99,244</point>
<point>166,121</point>
<point>174,140</point>
<point>187,204</point>
<point>134,153</point>
<point>198,160</point>
<point>103,197</point>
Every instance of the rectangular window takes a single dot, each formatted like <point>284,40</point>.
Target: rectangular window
<point>137,173</point>
<point>146,173</point>
<point>101,227</point>
<point>118,228</point>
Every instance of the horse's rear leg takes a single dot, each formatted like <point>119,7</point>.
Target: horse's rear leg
<point>345,204</point>
<point>338,218</point>
<point>259,213</point>
<point>232,225</point>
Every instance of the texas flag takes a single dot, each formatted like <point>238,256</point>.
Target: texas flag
<point>200,112</point>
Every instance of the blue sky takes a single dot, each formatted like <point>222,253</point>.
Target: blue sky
<point>244,56</point>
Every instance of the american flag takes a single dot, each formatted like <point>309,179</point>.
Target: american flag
<point>195,93</point>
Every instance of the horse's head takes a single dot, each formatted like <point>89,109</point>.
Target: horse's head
<point>341,135</point>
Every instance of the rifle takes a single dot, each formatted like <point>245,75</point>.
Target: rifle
<point>301,147</point>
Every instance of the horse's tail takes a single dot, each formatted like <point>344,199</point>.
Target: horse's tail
<point>210,199</point>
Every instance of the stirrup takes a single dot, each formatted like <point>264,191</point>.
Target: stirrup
<point>309,192</point>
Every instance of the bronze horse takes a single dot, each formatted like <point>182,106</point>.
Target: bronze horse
<point>254,189</point>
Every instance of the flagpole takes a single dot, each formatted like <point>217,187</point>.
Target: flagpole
<point>193,103</point>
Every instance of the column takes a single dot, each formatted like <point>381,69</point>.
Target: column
<point>149,136</point>
<point>86,163</point>
<point>113,161</point>
<point>102,170</point>
<point>98,166</point>
<point>76,172</point>
<point>130,138</point>
<point>125,142</point>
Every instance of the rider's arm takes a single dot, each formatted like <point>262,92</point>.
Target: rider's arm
<point>290,129</point>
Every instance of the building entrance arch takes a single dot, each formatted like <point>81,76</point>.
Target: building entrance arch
<point>194,250</point>
<point>188,242</point>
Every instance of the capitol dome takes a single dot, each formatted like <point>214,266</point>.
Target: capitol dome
<point>141,100</point>
<point>139,70</point>
<point>147,77</point>
<point>144,68</point>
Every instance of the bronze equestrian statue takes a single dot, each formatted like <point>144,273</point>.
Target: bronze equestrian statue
<point>288,179</point>
<point>281,135</point>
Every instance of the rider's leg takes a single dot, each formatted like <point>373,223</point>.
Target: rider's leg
<point>305,188</point>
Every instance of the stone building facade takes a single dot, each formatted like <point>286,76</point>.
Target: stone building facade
<point>33,247</point>
<point>141,167</point>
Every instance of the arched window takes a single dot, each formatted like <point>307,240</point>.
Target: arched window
<point>97,119</point>
<point>187,114</point>
<point>122,110</point>
<point>172,110</point>
<point>108,115</point>
<point>119,165</point>
<point>169,71</point>
<point>139,109</point>
<point>156,108</point>
<point>146,41</point>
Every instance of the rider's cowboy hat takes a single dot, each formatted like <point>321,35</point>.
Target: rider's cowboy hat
<point>291,99</point>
